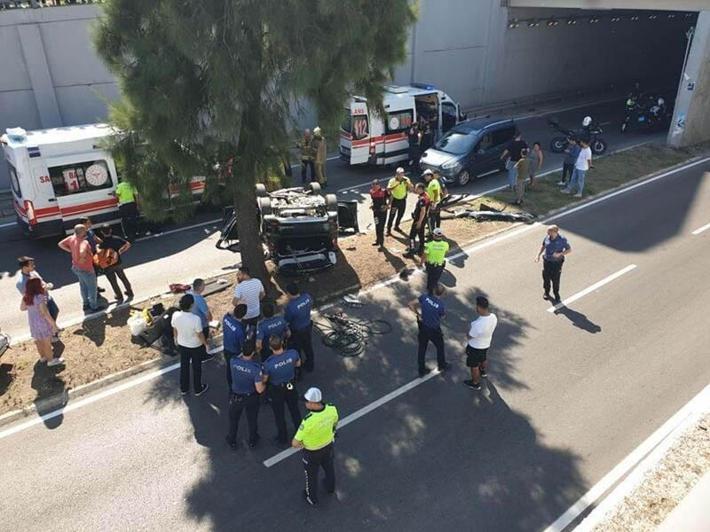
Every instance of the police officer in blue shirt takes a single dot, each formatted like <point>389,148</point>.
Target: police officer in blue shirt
<point>234,336</point>
<point>554,247</point>
<point>270,325</point>
<point>247,384</point>
<point>280,375</point>
<point>298,316</point>
<point>429,309</point>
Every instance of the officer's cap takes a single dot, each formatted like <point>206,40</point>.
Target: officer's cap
<point>438,232</point>
<point>428,172</point>
<point>313,395</point>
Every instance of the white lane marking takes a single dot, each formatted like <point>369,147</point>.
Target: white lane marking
<point>395,278</point>
<point>9,224</point>
<point>592,288</point>
<point>611,501</point>
<point>178,230</point>
<point>358,414</point>
<point>701,229</point>
<point>700,402</point>
<point>88,400</point>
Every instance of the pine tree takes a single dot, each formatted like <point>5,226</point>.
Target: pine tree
<point>210,84</point>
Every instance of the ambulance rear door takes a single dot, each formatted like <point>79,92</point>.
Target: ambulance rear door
<point>84,185</point>
<point>359,125</point>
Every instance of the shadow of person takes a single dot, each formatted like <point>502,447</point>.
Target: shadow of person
<point>578,319</point>
<point>7,375</point>
<point>47,382</point>
<point>396,261</point>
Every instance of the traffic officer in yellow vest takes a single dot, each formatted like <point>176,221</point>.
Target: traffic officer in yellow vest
<point>398,187</point>
<point>127,208</point>
<point>316,436</point>
<point>434,191</point>
<point>435,258</point>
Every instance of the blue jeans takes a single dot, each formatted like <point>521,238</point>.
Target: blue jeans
<point>577,180</point>
<point>87,285</point>
<point>512,173</point>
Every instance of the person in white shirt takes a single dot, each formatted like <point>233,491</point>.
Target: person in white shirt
<point>479,340</point>
<point>191,343</point>
<point>248,292</point>
<point>583,163</point>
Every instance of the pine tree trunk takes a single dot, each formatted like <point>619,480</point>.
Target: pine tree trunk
<point>250,247</point>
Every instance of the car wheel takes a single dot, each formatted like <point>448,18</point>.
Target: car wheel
<point>264,206</point>
<point>314,187</point>
<point>261,190</point>
<point>331,203</point>
<point>558,144</point>
<point>598,146</point>
<point>463,178</point>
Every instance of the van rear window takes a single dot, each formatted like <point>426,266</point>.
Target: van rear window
<point>399,121</point>
<point>14,181</point>
<point>80,177</point>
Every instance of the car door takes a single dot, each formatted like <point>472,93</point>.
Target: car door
<point>501,137</point>
<point>481,155</point>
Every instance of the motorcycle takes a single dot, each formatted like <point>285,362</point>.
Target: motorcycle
<point>590,132</point>
<point>646,112</point>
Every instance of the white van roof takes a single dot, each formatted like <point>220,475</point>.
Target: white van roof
<point>406,91</point>
<point>17,137</point>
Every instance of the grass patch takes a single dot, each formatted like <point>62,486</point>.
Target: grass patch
<point>609,172</point>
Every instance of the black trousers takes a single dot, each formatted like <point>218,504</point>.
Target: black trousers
<point>434,219</point>
<point>433,274</point>
<point>551,272</point>
<point>567,169</point>
<point>397,208</point>
<point>303,343</point>
<point>435,336</point>
<point>305,165</point>
<point>129,219</point>
<point>282,397</point>
<point>237,404</point>
<point>228,355</point>
<point>111,274</point>
<point>192,355</point>
<point>312,462</point>
<point>414,234</point>
<point>380,219</point>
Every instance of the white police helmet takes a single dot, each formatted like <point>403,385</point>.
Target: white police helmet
<point>587,120</point>
<point>661,101</point>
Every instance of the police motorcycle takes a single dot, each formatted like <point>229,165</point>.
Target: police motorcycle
<point>645,112</point>
<point>590,131</point>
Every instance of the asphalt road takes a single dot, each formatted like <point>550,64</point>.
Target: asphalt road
<point>570,394</point>
<point>191,253</point>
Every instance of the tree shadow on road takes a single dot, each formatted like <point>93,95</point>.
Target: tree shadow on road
<point>467,457</point>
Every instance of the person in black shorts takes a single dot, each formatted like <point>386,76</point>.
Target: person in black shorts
<point>480,334</point>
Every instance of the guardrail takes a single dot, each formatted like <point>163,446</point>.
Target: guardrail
<point>31,4</point>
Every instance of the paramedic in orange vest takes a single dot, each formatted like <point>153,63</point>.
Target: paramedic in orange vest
<point>128,209</point>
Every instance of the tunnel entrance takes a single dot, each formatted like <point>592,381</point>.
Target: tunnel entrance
<point>634,57</point>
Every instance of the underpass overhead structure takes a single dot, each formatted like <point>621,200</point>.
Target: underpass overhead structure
<point>659,5</point>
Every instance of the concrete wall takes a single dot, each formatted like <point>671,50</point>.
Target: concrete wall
<point>691,120</point>
<point>50,75</point>
<point>466,47</point>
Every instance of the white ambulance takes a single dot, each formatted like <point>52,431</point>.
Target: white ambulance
<point>366,137</point>
<point>61,175</point>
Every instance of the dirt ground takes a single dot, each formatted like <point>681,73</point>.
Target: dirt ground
<point>102,346</point>
<point>664,487</point>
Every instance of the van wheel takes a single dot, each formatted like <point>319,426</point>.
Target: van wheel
<point>463,178</point>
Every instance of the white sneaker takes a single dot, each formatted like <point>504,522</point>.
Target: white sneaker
<point>566,191</point>
<point>55,362</point>
<point>561,183</point>
<point>577,195</point>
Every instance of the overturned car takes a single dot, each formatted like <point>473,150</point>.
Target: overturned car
<point>299,227</point>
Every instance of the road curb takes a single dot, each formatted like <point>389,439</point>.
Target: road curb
<point>58,401</point>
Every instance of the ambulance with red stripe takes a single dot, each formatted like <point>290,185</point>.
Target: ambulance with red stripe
<point>366,137</point>
<point>61,175</point>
